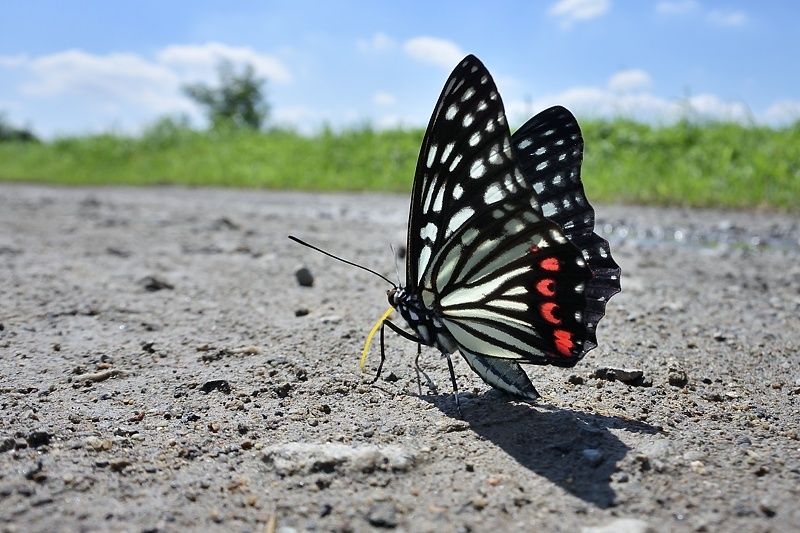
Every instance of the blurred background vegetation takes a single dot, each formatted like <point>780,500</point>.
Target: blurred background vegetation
<point>693,162</point>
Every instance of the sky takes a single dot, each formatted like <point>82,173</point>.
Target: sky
<point>84,66</point>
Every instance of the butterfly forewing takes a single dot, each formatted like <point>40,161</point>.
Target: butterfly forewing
<point>466,163</point>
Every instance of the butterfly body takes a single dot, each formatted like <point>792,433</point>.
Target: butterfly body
<point>502,261</point>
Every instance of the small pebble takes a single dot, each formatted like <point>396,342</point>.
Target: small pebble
<point>97,444</point>
<point>576,379</point>
<point>678,378</point>
<point>118,465</point>
<point>621,374</point>
<point>304,277</point>
<point>479,503</point>
<point>622,525</point>
<point>221,385</point>
<point>382,514</point>
<point>154,284</point>
<point>38,438</point>
<point>594,457</point>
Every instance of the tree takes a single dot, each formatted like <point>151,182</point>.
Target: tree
<point>239,101</point>
<point>11,133</point>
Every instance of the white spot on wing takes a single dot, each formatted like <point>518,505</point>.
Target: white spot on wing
<point>496,156</point>
<point>451,112</point>
<point>456,161</point>
<point>515,291</point>
<point>432,155</point>
<point>493,194</point>
<point>429,232</point>
<point>469,93</point>
<point>468,237</point>
<point>424,259</point>
<point>458,190</point>
<point>477,170</point>
<point>524,143</point>
<point>509,305</point>
<point>448,149</point>
<point>514,226</point>
<point>437,203</point>
<point>458,219</point>
<point>468,120</point>
<point>558,236</point>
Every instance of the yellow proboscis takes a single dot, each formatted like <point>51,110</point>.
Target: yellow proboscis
<point>369,338</point>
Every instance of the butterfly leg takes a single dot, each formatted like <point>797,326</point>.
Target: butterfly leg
<point>453,379</point>
<point>400,332</point>
<point>431,385</point>
<point>383,358</point>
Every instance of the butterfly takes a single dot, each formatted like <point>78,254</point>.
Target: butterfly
<point>502,262</point>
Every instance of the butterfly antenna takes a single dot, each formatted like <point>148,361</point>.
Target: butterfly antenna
<point>396,270</point>
<point>320,250</point>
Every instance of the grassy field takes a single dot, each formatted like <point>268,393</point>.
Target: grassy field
<point>691,164</point>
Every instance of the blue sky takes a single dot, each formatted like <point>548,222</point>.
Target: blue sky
<point>90,66</point>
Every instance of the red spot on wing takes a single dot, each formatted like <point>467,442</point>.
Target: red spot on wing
<point>546,287</point>
<point>563,341</point>
<point>534,249</point>
<point>551,264</point>
<point>547,310</point>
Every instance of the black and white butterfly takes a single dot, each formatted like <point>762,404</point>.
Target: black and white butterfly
<point>502,261</point>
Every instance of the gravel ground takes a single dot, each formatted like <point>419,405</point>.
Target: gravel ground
<point>162,370</point>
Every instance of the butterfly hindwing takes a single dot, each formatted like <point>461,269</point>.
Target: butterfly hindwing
<point>549,148</point>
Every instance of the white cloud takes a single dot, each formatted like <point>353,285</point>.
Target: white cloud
<point>126,90</point>
<point>434,51</point>
<point>679,7</point>
<point>728,18</point>
<point>783,112</point>
<point>380,42</point>
<point>382,98</point>
<point>200,60</point>
<point>717,17</point>
<point>13,61</point>
<point>571,11</point>
<point>114,77</point>
<point>710,105</point>
<point>630,80</point>
<point>631,99</point>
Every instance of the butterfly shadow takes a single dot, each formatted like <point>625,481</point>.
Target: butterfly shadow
<point>573,449</point>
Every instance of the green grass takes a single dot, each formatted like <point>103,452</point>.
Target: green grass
<point>691,164</point>
<point>701,165</point>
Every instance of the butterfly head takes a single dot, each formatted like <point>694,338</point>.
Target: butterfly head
<point>396,296</point>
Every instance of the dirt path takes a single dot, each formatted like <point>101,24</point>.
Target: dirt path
<point>155,376</point>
